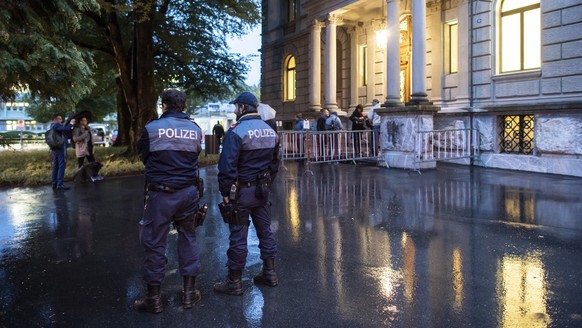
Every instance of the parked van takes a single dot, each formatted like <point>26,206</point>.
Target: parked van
<point>99,134</point>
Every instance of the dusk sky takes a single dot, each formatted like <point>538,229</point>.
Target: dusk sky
<point>250,45</point>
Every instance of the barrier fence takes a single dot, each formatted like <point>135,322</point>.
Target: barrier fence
<point>340,146</point>
<point>447,145</point>
<point>328,146</point>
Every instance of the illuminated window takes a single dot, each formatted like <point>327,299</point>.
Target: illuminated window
<point>520,35</point>
<point>452,47</point>
<point>517,134</point>
<point>290,78</point>
<point>11,125</point>
<point>364,65</point>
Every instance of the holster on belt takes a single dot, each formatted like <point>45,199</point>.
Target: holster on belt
<point>195,220</point>
<point>263,185</point>
<point>200,215</point>
<point>200,187</point>
<point>232,215</point>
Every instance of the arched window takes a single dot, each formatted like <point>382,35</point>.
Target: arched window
<point>289,86</point>
<point>520,34</point>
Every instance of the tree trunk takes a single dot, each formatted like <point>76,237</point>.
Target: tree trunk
<point>135,64</point>
<point>123,121</point>
<point>143,80</point>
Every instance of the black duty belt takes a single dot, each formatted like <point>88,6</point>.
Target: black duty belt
<point>247,184</point>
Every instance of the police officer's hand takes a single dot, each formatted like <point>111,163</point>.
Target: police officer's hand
<point>225,199</point>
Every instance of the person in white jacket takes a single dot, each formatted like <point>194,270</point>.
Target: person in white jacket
<point>376,122</point>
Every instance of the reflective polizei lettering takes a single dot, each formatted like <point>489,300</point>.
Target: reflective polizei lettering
<point>260,133</point>
<point>174,133</point>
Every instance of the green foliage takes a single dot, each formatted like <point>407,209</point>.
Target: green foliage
<point>192,52</point>
<point>36,55</point>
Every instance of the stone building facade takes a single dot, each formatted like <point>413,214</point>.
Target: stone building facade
<point>512,69</point>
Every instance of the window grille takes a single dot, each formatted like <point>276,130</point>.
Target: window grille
<point>517,134</point>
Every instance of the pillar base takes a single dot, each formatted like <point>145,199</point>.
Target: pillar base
<point>331,107</point>
<point>392,104</point>
<point>418,99</point>
<point>315,108</point>
<point>405,160</point>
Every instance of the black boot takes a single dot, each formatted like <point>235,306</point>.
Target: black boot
<point>268,276</point>
<point>191,294</point>
<point>232,285</point>
<point>152,302</point>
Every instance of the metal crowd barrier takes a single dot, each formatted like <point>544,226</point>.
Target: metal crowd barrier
<point>327,146</point>
<point>442,145</point>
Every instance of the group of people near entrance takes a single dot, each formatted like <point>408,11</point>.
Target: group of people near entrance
<point>331,122</point>
<point>247,166</point>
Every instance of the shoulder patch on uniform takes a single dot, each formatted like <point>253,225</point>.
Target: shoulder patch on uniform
<point>233,125</point>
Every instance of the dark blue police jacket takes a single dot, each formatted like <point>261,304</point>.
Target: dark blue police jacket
<point>250,148</point>
<point>169,148</point>
<point>65,130</point>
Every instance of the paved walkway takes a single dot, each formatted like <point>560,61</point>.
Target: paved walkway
<point>359,246</point>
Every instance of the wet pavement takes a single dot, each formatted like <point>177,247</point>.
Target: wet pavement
<point>359,246</point>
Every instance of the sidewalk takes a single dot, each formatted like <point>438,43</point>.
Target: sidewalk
<point>359,246</point>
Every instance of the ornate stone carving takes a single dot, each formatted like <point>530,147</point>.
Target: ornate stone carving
<point>334,19</point>
<point>317,24</point>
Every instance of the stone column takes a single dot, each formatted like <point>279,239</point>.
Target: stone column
<point>331,62</point>
<point>315,67</point>
<point>462,100</point>
<point>371,64</point>
<point>393,54</point>
<point>354,52</point>
<point>419,95</point>
<point>435,46</point>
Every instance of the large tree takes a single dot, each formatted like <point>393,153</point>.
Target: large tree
<point>36,56</point>
<point>153,45</point>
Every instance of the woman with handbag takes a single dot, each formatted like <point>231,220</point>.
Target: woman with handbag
<point>84,145</point>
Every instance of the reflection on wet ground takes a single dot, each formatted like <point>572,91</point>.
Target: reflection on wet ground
<point>359,246</point>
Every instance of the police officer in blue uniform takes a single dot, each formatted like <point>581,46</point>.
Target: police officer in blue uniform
<point>246,167</point>
<point>169,148</point>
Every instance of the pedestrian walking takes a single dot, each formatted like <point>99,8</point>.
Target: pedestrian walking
<point>247,166</point>
<point>218,131</point>
<point>59,152</point>
<point>169,148</point>
<point>84,145</point>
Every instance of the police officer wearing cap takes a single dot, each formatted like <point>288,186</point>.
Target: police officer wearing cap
<point>246,167</point>
<point>169,148</point>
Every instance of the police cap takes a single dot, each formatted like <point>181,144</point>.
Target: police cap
<point>246,98</point>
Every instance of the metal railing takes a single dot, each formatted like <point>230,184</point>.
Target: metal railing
<point>328,146</point>
<point>440,145</point>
